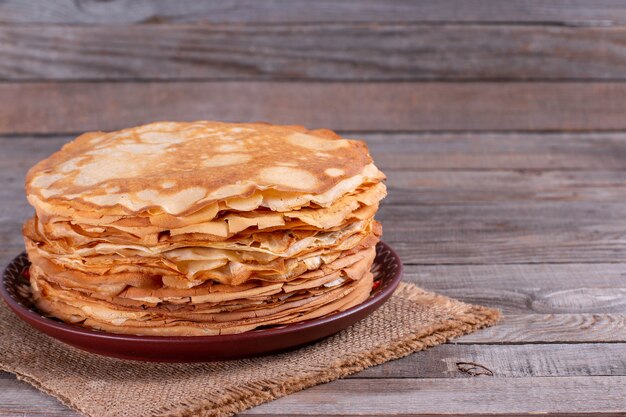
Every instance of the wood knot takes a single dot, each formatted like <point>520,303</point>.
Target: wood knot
<point>473,369</point>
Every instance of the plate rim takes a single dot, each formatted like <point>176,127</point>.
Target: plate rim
<point>384,293</point>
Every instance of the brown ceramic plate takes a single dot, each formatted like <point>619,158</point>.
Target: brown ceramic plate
<point>15,289</point>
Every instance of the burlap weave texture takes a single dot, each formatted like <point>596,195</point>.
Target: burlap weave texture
<point>411,320</point>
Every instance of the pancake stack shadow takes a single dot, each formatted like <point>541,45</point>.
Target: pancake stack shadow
<point>203,228</point>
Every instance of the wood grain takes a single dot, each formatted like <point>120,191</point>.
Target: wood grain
<point>498,151</point>
<point>467,187</point>
<point>502,361</point>
<point>17,398</point>
<point>552,328</point>
<point>337,51</point>
<point>481,395</point>
<point>506,397</point>
<point>394,106</point>
<point>537,300</point>
<point>503,277</point>
<point>501,233</point>
<point>576,12</point>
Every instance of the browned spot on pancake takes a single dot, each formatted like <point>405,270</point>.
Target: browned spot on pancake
<point>171,157</point>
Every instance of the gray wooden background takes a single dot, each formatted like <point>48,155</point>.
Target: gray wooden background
<point>500,124</point>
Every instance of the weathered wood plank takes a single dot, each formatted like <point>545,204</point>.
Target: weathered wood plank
<point>508,361</point>
<point>466,187</point>
<point>552,328</point>
<point>512,361</point>
<point>393,106</point>
<point>338,51</point>
<point>488,151</point>
<point>523,300</point>
<point>588,151</point>
<point>501,233</point>
<point>449,396</point>
<point>302,11</point>
<point>506,277</point>
<point>17,398</point>
<point>497,396</point>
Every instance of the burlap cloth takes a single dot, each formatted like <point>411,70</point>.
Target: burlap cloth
<point>411,320</point>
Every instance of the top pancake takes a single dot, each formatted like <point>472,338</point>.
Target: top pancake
<point>178,168</point>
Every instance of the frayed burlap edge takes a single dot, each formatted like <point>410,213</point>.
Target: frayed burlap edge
<point>471,319</point>
<point>474,318</point>
<point>35,383</point>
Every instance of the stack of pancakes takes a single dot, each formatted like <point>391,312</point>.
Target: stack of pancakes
<point>202,228</point>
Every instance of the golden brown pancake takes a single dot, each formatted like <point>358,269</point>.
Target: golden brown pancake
<point>202,228</point>
<point>179,168</point>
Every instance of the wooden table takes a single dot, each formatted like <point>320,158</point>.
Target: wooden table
<point>501,127</point>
